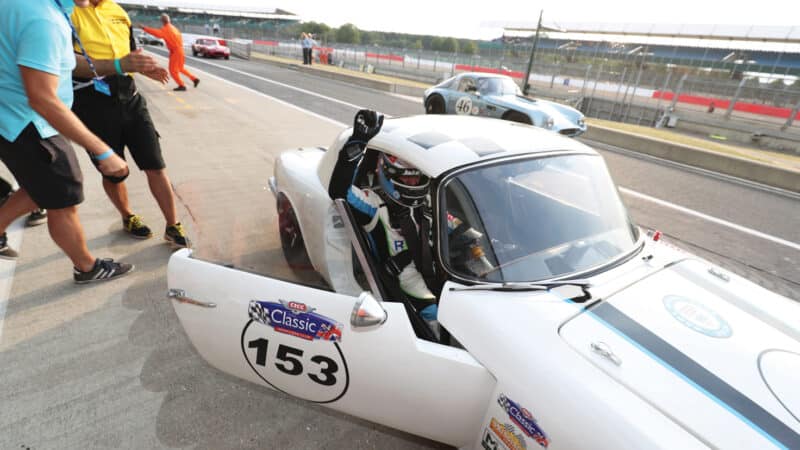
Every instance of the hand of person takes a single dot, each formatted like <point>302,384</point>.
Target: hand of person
<point>113,166</point>
<point>138,25</point>
<point>366,125</point>
<point>159,74</point>
<point>137,61</point>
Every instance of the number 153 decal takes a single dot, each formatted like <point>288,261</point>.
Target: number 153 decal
<point>295,350</point>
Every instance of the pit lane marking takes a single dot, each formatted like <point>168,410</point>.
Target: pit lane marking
<point>711,219</point>
<point>287,86</point>
<point>627,191</point>
<point>269,97</point>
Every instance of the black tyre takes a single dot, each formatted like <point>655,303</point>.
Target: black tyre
<point>515,116</point>
<point>434,105</point>
<point>227,57</point>
<point>292,243</point>
<point>194,53</point>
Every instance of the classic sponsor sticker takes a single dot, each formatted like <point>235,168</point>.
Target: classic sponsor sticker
<point>506,434</point>
<point>522,418</point>
<point>296,319</point>
<point>697,316</point>
<point>295,350</point>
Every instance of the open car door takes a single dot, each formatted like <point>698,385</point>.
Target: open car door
<point>300,340</point>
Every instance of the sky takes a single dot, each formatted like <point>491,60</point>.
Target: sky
<point>471,19</point>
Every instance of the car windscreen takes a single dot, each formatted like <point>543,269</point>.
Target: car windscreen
<point>534,219</point>
<point>498,86</point>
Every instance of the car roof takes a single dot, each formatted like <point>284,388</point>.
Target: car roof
<point>437,143</point>
<point>484,75</point>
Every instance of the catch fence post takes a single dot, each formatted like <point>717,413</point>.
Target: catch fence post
<point>677,93</point>
<point>735,98</point>
<point>792,115</point>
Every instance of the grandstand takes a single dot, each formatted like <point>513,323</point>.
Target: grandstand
<point>198,15</point>
<point>760,49</point>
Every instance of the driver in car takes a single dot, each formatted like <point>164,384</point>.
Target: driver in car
<point>393,207</point>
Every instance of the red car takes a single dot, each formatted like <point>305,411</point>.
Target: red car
<point>210,48</point>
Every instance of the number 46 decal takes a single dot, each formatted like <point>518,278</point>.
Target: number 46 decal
<point>289,362</point>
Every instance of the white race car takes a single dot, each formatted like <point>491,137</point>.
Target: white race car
<point>581,332</point>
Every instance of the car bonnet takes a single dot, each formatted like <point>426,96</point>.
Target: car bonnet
<point>689,340</point>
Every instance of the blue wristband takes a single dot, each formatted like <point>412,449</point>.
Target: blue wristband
<point>118,66</point>
<point>105,155</point>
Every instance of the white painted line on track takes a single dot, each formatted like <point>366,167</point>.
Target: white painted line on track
<point>287,86</point>
<point>712,219</point>
<point>7,268</point>
<point>269,97</point>
<point>624,190</point>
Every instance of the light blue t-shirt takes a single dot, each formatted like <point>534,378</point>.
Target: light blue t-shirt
<point>34,34</point>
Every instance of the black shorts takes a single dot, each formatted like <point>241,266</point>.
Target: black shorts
<point>121,120</point>
<point>46,168</point>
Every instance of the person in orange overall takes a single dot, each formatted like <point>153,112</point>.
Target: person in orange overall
<point>177,58</point>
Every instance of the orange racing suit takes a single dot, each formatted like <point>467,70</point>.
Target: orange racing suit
<point>174,42</point>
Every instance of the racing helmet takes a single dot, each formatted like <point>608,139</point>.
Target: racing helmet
<point>402,182</point>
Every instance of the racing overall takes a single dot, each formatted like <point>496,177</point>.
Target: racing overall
<point>174,42</point>
<point>390,247</point>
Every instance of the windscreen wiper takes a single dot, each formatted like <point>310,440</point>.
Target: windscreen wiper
<point>543,286</point>
<point>518,287</point>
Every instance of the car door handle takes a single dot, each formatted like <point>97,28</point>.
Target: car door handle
<point>180,296</point>
<point>604,350</point>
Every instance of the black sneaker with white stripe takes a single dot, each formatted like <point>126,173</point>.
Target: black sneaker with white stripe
<point>103,270</point>
<point>6,252</point>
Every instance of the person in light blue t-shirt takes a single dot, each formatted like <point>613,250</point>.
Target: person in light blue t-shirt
<point>36,62</point>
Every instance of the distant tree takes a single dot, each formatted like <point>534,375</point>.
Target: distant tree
<point>437,43</point>
<point>371,37</point>
<point>315,28</point>
<point>417,45</point>
<point>450,45</point>
<point>468,47</point>
<point>348,34</point>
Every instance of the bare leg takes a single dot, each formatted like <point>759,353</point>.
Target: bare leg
<point>19,204</point>
<point>161,189</point>
<point>67,232</point>
<point>118,194</point>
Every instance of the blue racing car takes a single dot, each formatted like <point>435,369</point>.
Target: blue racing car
<point>498,96</point>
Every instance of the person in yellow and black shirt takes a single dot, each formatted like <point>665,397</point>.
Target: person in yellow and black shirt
<point>120,117</point>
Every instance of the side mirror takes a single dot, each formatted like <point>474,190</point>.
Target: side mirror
<point>367,312</point>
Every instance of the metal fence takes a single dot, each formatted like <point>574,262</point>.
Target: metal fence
<point>635,84</point>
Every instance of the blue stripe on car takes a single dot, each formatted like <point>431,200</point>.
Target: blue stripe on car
<point>697,376</point>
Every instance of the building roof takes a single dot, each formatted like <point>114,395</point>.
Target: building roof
<point>258,12</point>
<point>760,33</point>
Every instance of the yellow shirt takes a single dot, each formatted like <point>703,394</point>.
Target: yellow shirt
<point>104,30</point>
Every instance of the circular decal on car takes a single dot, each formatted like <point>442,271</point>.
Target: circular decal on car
<point>296,350</point>
<point>464,106</point>
<point>697,316</point>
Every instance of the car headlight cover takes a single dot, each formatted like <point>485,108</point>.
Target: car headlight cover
<point>549,123</point>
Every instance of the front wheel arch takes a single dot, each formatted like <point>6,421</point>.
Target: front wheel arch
<point>516,116</point>
<point>291,235</point>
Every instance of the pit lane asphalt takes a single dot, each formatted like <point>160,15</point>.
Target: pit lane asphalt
<point>770,264</point>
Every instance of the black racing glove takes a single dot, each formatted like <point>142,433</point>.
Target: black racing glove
<point>366,125</point>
